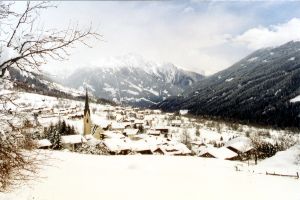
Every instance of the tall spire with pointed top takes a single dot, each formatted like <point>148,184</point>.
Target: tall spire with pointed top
<point>87,124</point>
<point>86,107</point>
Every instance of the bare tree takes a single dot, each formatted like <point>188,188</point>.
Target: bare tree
<point>17,165</point>
<point>27,46</point>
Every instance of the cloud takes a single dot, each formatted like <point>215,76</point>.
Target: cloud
<point>274,35</point>
<point>205,36</point>
<point>159,31</point>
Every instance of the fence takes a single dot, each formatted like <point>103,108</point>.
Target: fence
<point>285,175</point>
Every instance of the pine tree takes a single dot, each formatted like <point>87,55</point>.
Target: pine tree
<point>63,127</point>
<point>56,140</point>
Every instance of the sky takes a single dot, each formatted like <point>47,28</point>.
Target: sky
<point>199,36</point>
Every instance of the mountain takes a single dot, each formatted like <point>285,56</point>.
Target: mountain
<point>133,80</point>
<point>257,89</point>
<point>35,82</point>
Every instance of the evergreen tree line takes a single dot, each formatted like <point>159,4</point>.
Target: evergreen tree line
<point>54,132</point>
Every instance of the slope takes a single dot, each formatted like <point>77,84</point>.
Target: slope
<point>257,89</point>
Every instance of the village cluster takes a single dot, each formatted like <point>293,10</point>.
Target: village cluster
<point>126,130</point>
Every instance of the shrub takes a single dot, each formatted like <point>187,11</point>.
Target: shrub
<point>16,165</point>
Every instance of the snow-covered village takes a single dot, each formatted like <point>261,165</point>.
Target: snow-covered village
<point>84,115</point>
<point>72,128</point>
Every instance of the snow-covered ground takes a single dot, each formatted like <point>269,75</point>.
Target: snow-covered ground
<point>76,176</point>
<point>283,162</point>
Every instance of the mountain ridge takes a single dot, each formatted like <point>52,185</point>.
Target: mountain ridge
<point>256,89</point>
<point>134,81</point>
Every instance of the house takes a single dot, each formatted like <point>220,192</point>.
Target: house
<point>119,117</point>
<point>130,132</point>
<point>117,126</point>
<point>220,153</point>
<point>132,114</point>
<point>153,132</point>
<point>147,111</point>
<point>112,134</point>
<point>72,142</point>
<point>43,144</point>
<point>117,146</point>
<point>241,145</point>
<point>138,122</point>
<point>174,148</point>
<point>158,151</point>
<point>156,112</point>
<point>144,146</point>
<point>111,115</point>
<point>183,112</point>
<point>127,124</point>
<point>162,129</point>
<point>197,145</point>
<point>105,125</point>
<point>176,123</point>
<point>75,116</point>
<point>140,116</point>
<point>141,147</point>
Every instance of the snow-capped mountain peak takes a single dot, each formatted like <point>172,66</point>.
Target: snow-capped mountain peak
<point>133,79</point>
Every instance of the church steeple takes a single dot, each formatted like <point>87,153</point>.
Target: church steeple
<point>87,124</point>
<point>86,107</point>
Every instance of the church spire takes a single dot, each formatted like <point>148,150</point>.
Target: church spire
<point>86,107</point>
<point>87,124</point>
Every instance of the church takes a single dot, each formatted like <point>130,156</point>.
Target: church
<point>90,129</point>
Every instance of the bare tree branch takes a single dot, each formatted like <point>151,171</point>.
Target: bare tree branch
<point>34,49</point>
<point>25,46</point>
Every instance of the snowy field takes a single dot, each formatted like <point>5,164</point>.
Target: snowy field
<point>77,177</point>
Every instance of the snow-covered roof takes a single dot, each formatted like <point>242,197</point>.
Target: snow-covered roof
<point>174,148</point>
<point>156,111</point>
<point>126,124</point>
<point>198,143</point>
<point>116,125</point>
<point>153,132</point>
<point>161,127</point>
<point>113,134</point>
<point>183,112</point>
<point>90,138</point>
<point>102,123</point>
<point>142,145</point>
<point>116,145</point>
<point>131,131</point>
<point>148,117</point>
<point>221,153</point>
<point>242,144</point>
<point>72,139</point>
<point>176,122</point>
<point>138,121</point>
<point>43,143</point>
<point>146,142</point>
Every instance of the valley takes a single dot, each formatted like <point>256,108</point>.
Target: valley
<point>149,100</point>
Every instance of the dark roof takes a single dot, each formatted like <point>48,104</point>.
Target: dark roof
<point>86,106</point>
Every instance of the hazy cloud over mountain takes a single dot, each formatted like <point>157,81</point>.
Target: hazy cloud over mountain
<point>274,35</point>
<point>202,36</point>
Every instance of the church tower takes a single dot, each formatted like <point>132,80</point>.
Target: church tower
<point>87,123</point>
